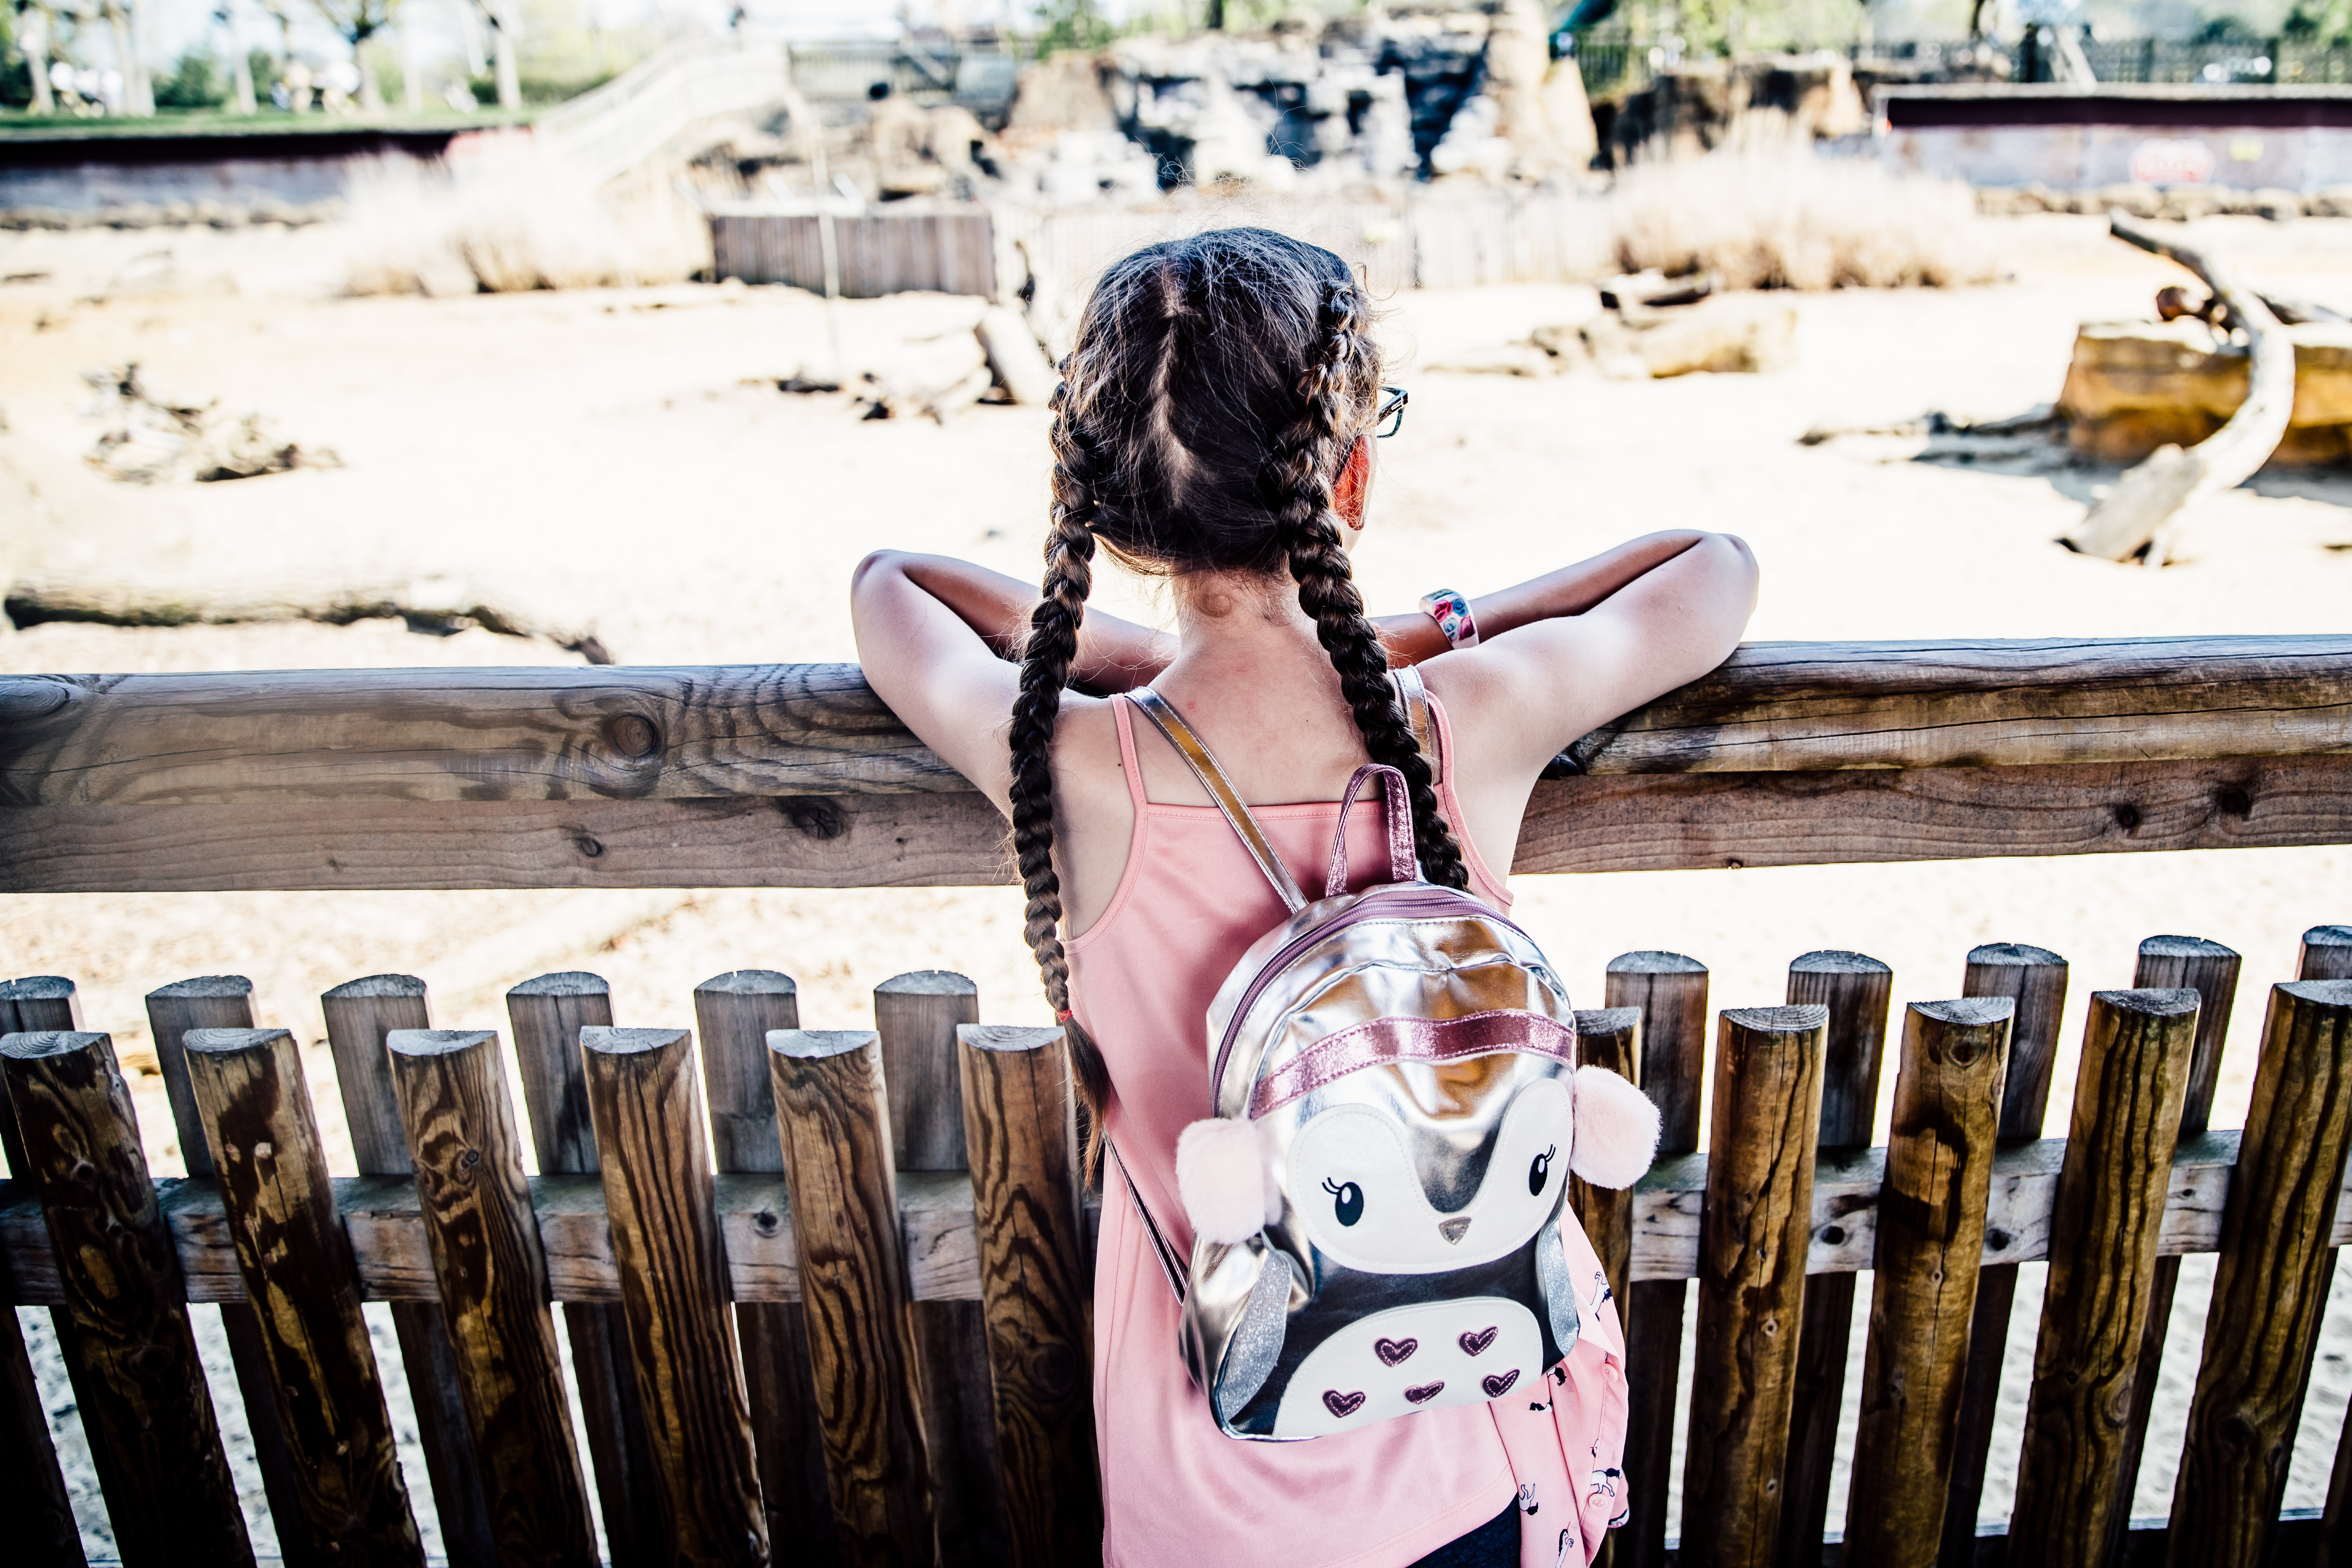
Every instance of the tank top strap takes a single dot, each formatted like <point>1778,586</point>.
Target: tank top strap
<point>1122,709</point>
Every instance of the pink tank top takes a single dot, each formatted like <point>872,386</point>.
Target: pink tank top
<point>1176,1491</point>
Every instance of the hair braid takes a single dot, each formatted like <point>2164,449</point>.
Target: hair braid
<point>1333,389</point>
<point>1045,662</point>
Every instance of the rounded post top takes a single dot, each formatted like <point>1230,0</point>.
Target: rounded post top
<point>927,983</point>
<point>1606,1020</point>
<point>1968,1012</point>
<point>1795,1019</point>
<point>41,1043</point>
<point>2151,1002</point>
<point>228,1041</point>
<point>375,987</point>
<point>1654,962</point>
<point>37,988</point>
<point>564,983</point>
<point>2184,947</point>
<point>816,1045</point>
<point>436,1042</point>
<point>2017,954</point>
<point>204,985</point>
<point>608,1041</point>
<point>1008,1036</point>
<point>1837,960</point>
<point>750,982</point>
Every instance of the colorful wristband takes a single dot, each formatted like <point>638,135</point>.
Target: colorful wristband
<point>1450,611</point>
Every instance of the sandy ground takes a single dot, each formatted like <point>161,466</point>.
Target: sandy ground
<point>625,458</point>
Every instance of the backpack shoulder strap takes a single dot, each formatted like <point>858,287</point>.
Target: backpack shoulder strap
<point>1221,790</point>
<point>1407,680</point>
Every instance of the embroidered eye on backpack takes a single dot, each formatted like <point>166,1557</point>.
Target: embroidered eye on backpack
<point>1377,1195</point>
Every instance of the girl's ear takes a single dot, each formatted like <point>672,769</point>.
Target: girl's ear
<point>1348,495</point>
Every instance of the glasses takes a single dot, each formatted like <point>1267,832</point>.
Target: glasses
<point>1391,418</point>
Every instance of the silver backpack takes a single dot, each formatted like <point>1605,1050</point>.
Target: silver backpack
<point>1395,1110</point>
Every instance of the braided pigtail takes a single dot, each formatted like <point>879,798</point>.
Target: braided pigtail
<point>1334,390</point>
<point>1045,661</point>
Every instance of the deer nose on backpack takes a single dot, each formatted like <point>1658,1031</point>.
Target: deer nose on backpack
<point>1454,1229</point>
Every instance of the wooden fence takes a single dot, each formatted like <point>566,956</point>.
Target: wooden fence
<point>865,1337</point>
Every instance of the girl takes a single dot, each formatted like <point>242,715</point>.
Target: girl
<point>1213,426</point>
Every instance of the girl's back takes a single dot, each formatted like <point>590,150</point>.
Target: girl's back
<point>1213,426</point>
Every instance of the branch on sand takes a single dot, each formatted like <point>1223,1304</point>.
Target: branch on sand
<point>2141,513</point>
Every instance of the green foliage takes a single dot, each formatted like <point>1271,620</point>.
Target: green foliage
<point>1070,25</point>
<point>197,80</point>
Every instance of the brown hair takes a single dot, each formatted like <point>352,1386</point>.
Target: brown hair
<point>1217,387</point>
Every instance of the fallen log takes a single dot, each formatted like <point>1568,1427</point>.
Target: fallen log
<point>2138,517</point>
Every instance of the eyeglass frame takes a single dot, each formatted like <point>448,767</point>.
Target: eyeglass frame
<point>1392,409</point>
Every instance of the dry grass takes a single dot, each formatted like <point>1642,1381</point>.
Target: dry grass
<point>1776,217</point>
<point>509,220</point>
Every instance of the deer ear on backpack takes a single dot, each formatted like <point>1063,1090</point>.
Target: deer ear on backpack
<point>1616,1129</point>
<point>1220,1175</point>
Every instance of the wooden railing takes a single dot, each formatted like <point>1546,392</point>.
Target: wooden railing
<point>865,1337</point>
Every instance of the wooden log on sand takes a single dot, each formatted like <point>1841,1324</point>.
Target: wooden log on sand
<point>2143,510</point>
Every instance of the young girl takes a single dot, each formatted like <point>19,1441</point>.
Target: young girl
<point>1215,426</point>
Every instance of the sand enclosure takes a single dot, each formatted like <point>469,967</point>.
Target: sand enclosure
<point>626,457</point>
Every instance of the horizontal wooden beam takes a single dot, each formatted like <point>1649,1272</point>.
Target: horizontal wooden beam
<point>935,1211</point>
<point>732,730</point>
<point>1626,823</point>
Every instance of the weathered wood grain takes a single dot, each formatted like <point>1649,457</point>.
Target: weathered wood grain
<point>2270,1286</point>
<point>732,1014</point>
<point>763,729</point>
<point>1756,1227</point>
<point>836,1136</point>
<point>661,1207</point>
<point>2191,963</point>
<point>916,1016</point>
<point>1608,1037</point>
<point>360,1014</point>
<point>1857,991</point>
<point>2034,981</point>
<point>145,1409</point>
<point>226,1002</point>
<point>2138,1052</point>
<point>300,1276</point>
<point>1669,992</point>
<point>548,1013</point>
<point>1650,822</point>
<point>32,1487</point>
<point>1931,1222</point>
<point>1020,1125</point>
<point>492,1277</point>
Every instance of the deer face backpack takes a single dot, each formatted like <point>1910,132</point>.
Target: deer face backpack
<point>1376,1199</point>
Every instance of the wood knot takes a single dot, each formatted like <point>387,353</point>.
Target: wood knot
<point>633,736</point>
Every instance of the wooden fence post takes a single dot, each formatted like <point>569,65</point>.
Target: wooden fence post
<point>1020,1125</point>
<point>2137,1049</point>
<point>305,1290</point>
<point>1931,1220</point>
<point>1754,1235</point>
<point>664,1215</point>
<point>1670,991</point>
<point>918,1016</point>
<point>226,1002</point>
<point>32,1487</point>
<point>1858,990</point>
<point>360,1014</point>
<point>2270,1287</point>
<point>2034,979</point>
<point>836,1134</point>
<point>548,1013</point>
<point>733,1014</point>
<point>146,1408</point>
<point>2189,963</point>
<point>1608,1037</point>
<point>492,1276</point>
